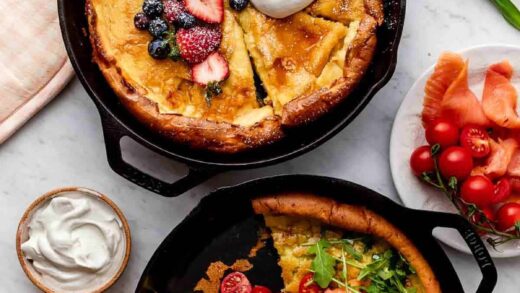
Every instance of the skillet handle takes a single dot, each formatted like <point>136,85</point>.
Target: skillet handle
<point>474,242</point>
<point>113,133</point>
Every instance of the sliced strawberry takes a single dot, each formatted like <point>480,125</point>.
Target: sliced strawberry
<point>213,69</point>
<point>172,10</point>
<point>197,43</point>
<point>210,11</point>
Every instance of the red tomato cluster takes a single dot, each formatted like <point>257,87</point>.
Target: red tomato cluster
<point>237,282</point>
<point>459,148</point>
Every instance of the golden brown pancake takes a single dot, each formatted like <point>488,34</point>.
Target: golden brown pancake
<point>295,219</point>
<point>308,63</point>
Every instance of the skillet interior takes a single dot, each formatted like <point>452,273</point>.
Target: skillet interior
<point>74,29</point>
<point>223,227</point>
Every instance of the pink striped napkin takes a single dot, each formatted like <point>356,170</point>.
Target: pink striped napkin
<point>34,66</point>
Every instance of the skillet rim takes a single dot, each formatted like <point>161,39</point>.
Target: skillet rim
<point>332,188</point>
<point>262,159</point>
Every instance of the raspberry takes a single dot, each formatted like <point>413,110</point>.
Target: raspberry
<point>197,43</point>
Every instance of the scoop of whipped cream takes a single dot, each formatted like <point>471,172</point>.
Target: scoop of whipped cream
<point>280,8</point>
<point>76,242</point>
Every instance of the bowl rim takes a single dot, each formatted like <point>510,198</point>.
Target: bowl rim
<point>54,193</point>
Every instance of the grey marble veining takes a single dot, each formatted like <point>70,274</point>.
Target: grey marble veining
<point>63,146</point>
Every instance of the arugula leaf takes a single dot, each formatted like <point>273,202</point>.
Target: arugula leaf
<point>323,264</point>
<point>349,248</point>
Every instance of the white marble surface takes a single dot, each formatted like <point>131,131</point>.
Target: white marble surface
<point>64,146</point>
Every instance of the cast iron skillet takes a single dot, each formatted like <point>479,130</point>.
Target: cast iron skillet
<point>117,122</point>
<point>224,227</point>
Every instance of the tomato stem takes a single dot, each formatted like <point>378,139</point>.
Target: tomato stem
<point>468,210</point>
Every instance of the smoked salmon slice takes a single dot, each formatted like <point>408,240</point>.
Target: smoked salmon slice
<point>460,105</point>
<point>499,160</point>
<point>446,71</point>
<point>500,97</point>
<point>513,169</point>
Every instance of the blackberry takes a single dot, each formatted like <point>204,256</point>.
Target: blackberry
<point>185,20</point>
<point>159,49</point>
<point>238,5</point>
<point>158,27</point>
<point>141,21</point>
<point>172,10</point>
<point>153,7</point>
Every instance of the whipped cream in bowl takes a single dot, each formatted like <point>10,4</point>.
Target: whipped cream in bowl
<point>73,240</point>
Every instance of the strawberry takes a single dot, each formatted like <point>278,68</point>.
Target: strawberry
<point>214,69</point>
<point>210,11</point>
<point>172,10</point>
<point>197,43</point>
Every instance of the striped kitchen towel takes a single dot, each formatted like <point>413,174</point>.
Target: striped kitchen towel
<point>34,66</point>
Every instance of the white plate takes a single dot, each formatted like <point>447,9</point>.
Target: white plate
<point>408,134</point>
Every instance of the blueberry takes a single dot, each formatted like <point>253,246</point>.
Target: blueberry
<point>158,27</point>
<point>185,20</point>
<point>153,7</point>
<point>141,21</point>
<point>238,5</point>
<point>159,49</point>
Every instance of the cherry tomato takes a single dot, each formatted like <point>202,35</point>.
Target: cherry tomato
<point>477,218</point>
<point>476,140</point>
<point>307,285</point>
<point>488,212</point>
<point>503,190</point>
<point>508,215</point>
<point>421,160</point>
<point>515,184</point>
<point>478,190</point>
<point>442,132</point>
<point>261,289</point>
<point>456,162</point>
<point>235,282</point>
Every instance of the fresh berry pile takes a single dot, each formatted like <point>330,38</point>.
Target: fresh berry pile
<point>188,30</point>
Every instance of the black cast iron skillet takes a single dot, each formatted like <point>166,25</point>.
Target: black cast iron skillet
<point>224,227</point>
<point>117,122</point>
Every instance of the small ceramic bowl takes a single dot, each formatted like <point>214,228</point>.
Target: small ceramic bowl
<point>22,235</point>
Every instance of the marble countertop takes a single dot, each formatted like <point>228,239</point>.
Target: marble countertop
<point>64,146</point>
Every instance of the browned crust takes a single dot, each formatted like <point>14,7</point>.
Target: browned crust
<point>223,137</point>
<point>351,218</point>
<point>308,108</point>
<point>219,137</point>
<point>375,9</point>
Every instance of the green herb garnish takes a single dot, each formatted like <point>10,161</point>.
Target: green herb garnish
<point>388,271</point>
<point>213,89</point>
<point>323,264</point>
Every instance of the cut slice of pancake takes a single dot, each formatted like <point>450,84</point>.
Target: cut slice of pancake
<point>239,92</point>
<point>168,83</point>
<point>290,53</point>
